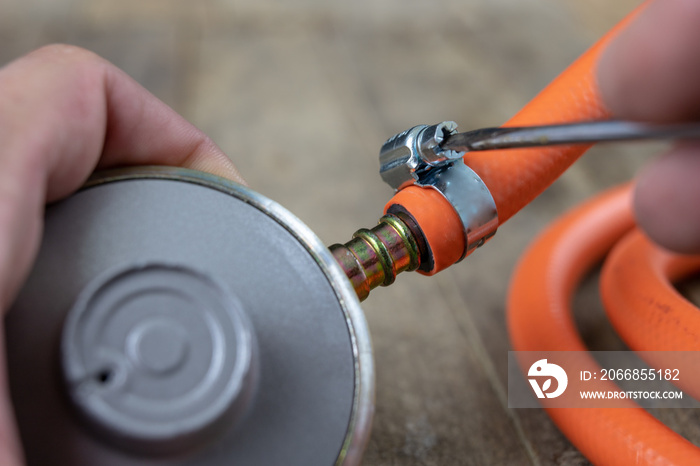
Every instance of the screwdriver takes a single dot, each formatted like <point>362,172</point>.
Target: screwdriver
<point>569,133</point>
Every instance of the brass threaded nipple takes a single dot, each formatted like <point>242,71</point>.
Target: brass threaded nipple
<point>374,257</point>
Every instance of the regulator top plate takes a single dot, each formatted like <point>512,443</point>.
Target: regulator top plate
<point>176,318</point>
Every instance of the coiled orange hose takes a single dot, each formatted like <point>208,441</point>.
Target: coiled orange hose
<point>644,307</point>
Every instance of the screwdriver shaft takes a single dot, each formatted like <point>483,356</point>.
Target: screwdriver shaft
<point>573,133</point>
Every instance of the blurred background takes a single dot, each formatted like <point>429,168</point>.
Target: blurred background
<point>302,93</point>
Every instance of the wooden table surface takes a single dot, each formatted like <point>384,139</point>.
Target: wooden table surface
<point>301,94</point>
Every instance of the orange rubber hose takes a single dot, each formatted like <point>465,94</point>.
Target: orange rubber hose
<point>650,314</point>
<point>515,177</point>
<point>640,301</point>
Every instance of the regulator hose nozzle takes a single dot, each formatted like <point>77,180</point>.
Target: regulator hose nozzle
<point>374,257</point>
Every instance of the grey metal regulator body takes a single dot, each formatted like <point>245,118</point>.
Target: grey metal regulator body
<point>176,318</point>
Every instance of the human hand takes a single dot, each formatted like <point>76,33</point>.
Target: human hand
<point>63,113</point>
<point>651,72</point>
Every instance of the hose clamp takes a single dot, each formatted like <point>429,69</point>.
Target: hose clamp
<point>415,157</point>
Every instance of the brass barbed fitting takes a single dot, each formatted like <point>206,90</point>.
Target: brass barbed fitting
<point>374,257</point>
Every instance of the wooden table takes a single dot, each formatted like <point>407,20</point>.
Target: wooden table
<point>302,94</point>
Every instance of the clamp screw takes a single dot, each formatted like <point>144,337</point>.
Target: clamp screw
<point>404,156</point>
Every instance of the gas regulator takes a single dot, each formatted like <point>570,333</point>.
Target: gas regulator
<point>173,317</point>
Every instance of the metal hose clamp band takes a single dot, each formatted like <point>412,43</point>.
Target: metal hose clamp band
<point>415,157</point>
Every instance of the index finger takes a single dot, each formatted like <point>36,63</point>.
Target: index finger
<point>650,71</point>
